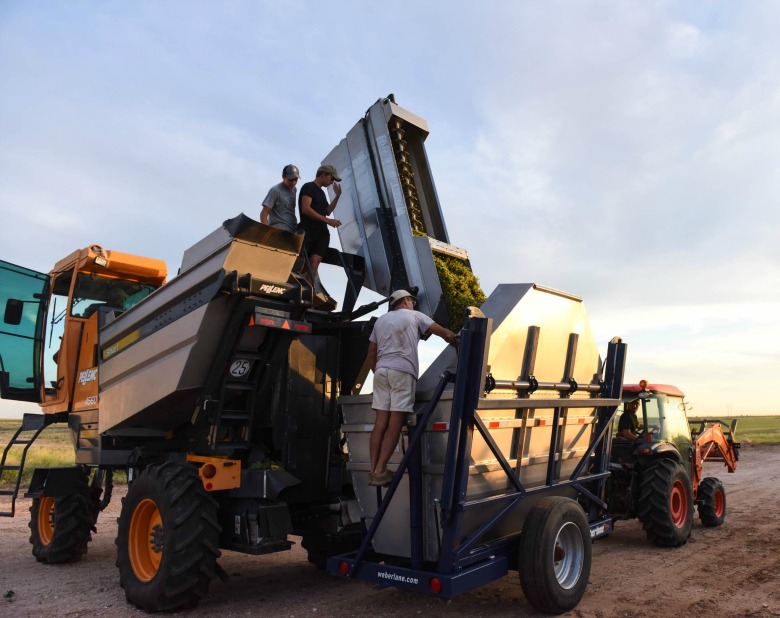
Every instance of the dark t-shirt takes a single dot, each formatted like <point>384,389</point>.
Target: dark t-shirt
<point>318,202</point>
<point>628,421</point>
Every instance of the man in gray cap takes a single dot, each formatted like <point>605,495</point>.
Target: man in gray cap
<point>392,356</point>
<point>279,205</point>
<point>314,210</point>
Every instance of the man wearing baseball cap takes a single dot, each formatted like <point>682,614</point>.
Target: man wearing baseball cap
<point>392,356</point>
<point>279,205</point>
<point>314,210</point>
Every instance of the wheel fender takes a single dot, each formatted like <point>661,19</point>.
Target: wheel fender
<point>55,482</point>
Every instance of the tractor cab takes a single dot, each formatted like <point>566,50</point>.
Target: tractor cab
<point>663,429</point>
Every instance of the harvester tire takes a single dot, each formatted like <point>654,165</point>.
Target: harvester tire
<point>168,539</point>
<point>555,555</point>
<point>666,504</point>
<point>60,527</point>
<point>712,508</point>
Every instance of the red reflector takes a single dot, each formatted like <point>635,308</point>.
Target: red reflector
<point>267,322</point>
<point>439,426</point>
<point>343,568</point>
<point>209,486</point>
<point>304,328</point>
<point>251,320</point>
<point>435,585</point>
<point>493,424</point>
<point>286,325</point>
<point>581,421</point>
<point>542,422</point>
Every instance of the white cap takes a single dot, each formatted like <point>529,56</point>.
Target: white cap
<point>398,295</point>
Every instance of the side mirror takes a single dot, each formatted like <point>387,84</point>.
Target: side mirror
<point>13,312</point>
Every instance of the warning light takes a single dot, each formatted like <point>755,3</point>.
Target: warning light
<point>643,384</point>
<point>343,568</point>
<point>435,585</point>
<point>209,471</point>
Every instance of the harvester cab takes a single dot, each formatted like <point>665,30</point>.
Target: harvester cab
<point>50,323</point>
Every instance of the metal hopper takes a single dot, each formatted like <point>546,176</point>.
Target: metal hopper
<point>541,349</point>
<point>154,358</point>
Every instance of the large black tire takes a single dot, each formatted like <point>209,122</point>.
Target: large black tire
<point>712,508</point>
<point>666,504</point>
<point>168,539</point>
<point>555,555</point>
<point>60,528</point>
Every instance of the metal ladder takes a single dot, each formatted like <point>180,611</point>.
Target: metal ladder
<point>238,417</point>
<point>30,422</point>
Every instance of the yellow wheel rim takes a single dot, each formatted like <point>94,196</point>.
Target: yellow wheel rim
<point>46,519</point>
<point>145,542</point>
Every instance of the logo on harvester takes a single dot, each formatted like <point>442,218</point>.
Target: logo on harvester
<point>88,375</point>
<point>271,289</point>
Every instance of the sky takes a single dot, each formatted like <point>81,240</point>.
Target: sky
<point>626,152</point>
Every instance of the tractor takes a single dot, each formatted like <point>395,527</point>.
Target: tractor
<point>657,469</point>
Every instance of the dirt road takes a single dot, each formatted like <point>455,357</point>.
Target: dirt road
<point>733,570</point>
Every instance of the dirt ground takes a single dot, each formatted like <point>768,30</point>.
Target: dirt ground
<point>733,570</point>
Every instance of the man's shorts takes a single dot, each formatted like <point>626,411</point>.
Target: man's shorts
<point>393,390</point>
<point>317,242</point>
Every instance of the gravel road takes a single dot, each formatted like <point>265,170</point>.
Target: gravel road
<point>729,571</point>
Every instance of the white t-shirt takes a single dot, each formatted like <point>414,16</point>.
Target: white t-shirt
<point>396,335</point>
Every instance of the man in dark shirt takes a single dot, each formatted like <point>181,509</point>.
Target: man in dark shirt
<point>629,425</point>
<point>314,211</point>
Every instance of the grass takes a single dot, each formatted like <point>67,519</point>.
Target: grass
<point>53,448</point>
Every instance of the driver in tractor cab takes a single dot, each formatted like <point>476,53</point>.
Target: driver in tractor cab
<point>629,425</point>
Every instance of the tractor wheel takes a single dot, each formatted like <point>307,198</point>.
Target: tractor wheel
<point>60,527</point>
<point>712,509</point>
<point>167,539</point>
<point>555,555</point>
<point>666,504</point>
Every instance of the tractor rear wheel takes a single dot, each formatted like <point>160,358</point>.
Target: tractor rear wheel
<point>60,527</point>
<point>167,540</point>
<point>555,555</point>
<point>712,508</point>
<point>666,504</point>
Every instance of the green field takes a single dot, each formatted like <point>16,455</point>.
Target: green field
<point>54,446</point>
<point>759,429</point>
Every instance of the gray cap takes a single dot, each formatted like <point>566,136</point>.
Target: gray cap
<point>398,295</point>
<point>329,169</point>
<point>290,172</point>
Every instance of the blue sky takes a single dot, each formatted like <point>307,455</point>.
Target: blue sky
<point>626,152</point>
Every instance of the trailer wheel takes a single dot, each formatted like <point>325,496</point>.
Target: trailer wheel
<point>555,555</point>
<point>60,527</point>
<point>167,539</point>
<point>712,508</point>
<point>666,504</point>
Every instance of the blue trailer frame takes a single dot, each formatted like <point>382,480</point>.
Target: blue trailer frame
<point>464,562</point>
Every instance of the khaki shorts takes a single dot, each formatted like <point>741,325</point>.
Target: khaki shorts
<point>393,390</point>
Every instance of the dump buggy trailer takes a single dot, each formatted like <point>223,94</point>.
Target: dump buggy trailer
<point>224,395</point>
